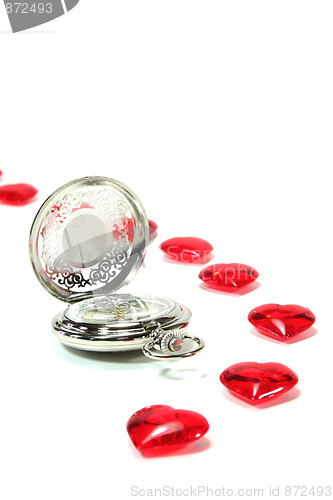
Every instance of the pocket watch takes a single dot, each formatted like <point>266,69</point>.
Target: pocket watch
<point>87,242</point>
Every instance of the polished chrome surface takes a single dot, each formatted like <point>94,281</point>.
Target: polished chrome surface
<point>122,330</point>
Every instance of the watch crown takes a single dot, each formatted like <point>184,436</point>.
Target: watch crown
<point>171,341</point>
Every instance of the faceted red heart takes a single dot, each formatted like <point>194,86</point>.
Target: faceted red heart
<point>228,277</point>
<point>258,382</point>
<point>160,430</point>
<point>17,194</point>
<point>187,249</point>
<point>281,322</point>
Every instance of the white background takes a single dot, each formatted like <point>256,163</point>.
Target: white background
<point>219,116</point>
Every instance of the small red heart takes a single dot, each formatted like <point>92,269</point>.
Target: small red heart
<point>187,250</point>
<point>228,277</point>
<point>160,430</point>
<point>130,230</point>
<point>17,194</point>
<point>258,382</point>
<point>281,322</point>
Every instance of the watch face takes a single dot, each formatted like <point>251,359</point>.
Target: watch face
<point>120,308</point>
<point>79,240</point>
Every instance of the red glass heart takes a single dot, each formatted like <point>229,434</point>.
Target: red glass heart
<point>130,229</point>
<point>17,194</point>
<point>258,382</point>
<point>160,430</point>
<point>228,277</point>
<point>281,322</point>
<point>187,249</point>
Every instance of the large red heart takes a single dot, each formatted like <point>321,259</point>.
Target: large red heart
<point>281,322</point>
<point>258,382</point>
<point>161,429</point>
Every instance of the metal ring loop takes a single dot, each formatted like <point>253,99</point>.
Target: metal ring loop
<point>153,350</point>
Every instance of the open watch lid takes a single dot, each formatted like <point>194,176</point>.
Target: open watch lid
<point>88,238</point>
<point>87,241</point>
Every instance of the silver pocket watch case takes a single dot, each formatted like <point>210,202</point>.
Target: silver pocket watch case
<point>88,240</point>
